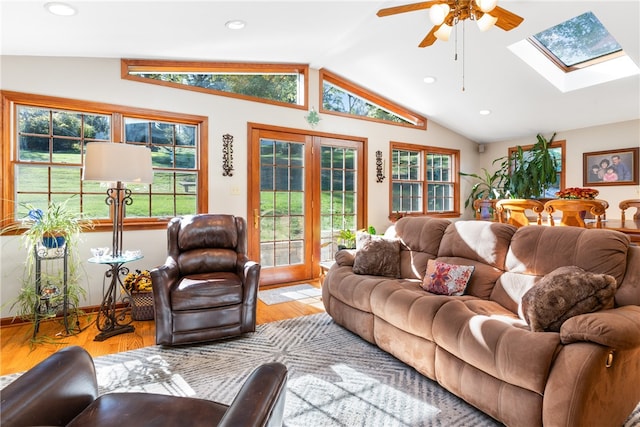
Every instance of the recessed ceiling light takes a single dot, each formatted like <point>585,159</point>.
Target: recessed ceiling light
<point>60,9</point>
<point>485,112</point>
<point>236,24</point>
<point>429,79</point>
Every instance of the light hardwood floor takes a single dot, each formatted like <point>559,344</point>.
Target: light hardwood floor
<point>17,354</point>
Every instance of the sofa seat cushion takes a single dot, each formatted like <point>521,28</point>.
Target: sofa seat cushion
<point>494,340</point>
<point>405,305</point>
<point>207,291</point>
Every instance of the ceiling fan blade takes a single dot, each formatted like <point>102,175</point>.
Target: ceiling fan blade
<point>408,7</point>
<point>430,38</point>
<point>506,20</point>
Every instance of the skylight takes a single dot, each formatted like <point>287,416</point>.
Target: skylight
<point>577,41</point>
<point>576,54</point>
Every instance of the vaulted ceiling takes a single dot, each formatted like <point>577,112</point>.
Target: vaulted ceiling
<point>348,38</point>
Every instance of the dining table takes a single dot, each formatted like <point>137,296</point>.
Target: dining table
<point>630,227</point>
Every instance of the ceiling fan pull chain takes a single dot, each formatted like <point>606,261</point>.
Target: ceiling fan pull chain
<point>463,37</point>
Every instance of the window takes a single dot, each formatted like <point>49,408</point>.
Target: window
<point>281,84</point>
<point>580,43</point>
<point>577,42</point>
<point>424,180</point>
<point>45,155</point>
<point>342,97</point>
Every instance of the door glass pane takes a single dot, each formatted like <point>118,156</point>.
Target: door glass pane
<point>338,178</point>
<point>282,203</point>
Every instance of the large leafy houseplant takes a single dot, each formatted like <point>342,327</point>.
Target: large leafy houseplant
<point>49,233</point>
<point>524,174</point>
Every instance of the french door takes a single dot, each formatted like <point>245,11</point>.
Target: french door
<point>303,189</point>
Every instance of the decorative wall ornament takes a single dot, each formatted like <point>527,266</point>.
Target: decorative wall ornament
<point>313,118</point>
<point>379,167</point>
<point>227,155</point>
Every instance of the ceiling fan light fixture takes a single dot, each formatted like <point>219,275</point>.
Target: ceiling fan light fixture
<point>486,22</point>
<point>443,32</point>
<point>487,5</point>
<point>438,13</point>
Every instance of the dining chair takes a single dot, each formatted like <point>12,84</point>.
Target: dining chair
<point>485,209</point>
<point>514,211</point>
<point>630,203</point>
<point>574,211</point>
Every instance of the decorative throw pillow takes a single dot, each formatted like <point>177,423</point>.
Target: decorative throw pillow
<point>566,292</point>
<point>377,256</point>
<point>446,279</point>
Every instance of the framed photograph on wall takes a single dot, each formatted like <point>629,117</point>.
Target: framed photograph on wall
<point>611,167</point>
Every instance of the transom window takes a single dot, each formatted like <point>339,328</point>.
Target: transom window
<point>282,84</point>
<point>50,135</point>
<point>339,96</point>
<point>424,180</point>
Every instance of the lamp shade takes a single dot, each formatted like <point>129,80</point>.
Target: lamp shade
<point>112,162</point>
<point>487,5</point>
<point>443,32</point>
<point>438,13</point>
<point>486,22</point>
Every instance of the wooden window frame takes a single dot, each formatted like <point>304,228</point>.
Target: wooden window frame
<point>150,66</point>
<point>8,152</point>
<point>341,82</point>
<point>455,179</point>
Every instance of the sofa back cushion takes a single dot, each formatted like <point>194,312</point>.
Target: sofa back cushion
<point>482,244</point>
<point>538,250</point>
<point>420,239</point>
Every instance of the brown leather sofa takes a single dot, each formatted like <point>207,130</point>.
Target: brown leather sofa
<point>62,391</point>
<point>477,345</point>
<point>207,288</point>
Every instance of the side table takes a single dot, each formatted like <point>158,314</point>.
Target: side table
<point>113,320</point>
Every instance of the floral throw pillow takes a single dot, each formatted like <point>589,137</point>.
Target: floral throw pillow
<point>446,279</point>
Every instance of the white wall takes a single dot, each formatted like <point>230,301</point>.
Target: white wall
<point>98,80</point>
<point>598,138</point>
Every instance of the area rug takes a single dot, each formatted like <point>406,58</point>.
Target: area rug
<point>335,377</point>
<point>289,293</point>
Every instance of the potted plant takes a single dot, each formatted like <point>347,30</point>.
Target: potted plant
<point>346,239</point>
<point>525,174</point>
<point>49,233</point>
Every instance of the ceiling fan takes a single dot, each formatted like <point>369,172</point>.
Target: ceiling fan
<point>445,14</point>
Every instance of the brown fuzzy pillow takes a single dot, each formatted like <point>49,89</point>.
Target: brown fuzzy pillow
<point>564,293</point>
<point>377,256</point>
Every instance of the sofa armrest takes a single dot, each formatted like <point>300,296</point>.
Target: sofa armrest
<point>163,279</point>
<point>345,257</point>
<point>616,328</point>
<point>260,402</point>
<point>53,392</point>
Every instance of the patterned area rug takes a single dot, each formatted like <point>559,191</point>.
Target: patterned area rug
<point>335,377</point>
<point>289,293</point>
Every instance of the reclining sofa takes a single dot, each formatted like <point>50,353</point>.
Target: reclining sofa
<point>479,345</point>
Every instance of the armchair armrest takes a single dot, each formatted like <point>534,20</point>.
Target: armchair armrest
<point>53,392</point>
<point>163,278</point>
<point>616,328</point>
<point>260,402</point>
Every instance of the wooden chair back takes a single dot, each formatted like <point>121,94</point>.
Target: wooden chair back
<point>514,211</point>
<point>630,203</point>
<point>574,210</point>
<point>485,209</point>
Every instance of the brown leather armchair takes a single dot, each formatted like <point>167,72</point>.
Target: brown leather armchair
<point>62,390</point>
<point>207,288</point>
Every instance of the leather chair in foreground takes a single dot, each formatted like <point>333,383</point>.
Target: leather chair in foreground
<point>62,390</point>
<point>207,288</point>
